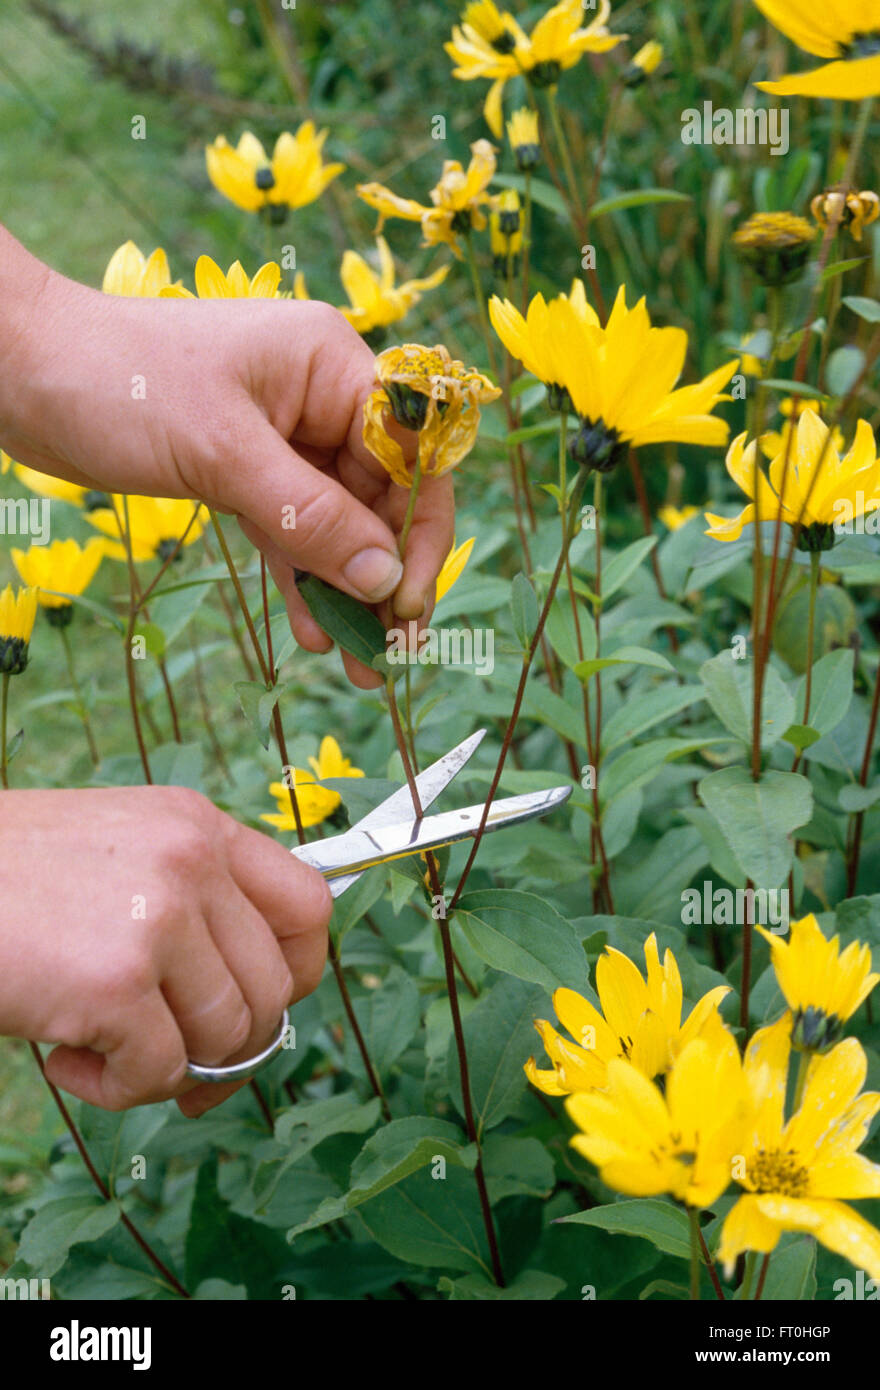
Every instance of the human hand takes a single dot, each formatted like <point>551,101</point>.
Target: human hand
<point>253,406</point>
<point>142,927</point>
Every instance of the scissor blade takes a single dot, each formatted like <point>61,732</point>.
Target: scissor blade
<point>360,849</point>
<point>394,810</point>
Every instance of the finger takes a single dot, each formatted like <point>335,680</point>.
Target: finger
<point>315,521</point>
<point>292,897</point>
<point>141,1061</point>
<point>206,998</point>
<point>253,956</point>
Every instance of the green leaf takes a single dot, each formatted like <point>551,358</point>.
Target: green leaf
<point>352,905</point>
<point>542,192</point>
<point>392,1154</point>
<point>524,609</point>
<point>353,626</point>
<point>428,1222</point>
<point>644,711</point>
<point>832,689</point>
<point>840,268</point>
<point>757,819</point>
<point>517,1166</point>
<point>531,1284</point>
<point>154,638</point>
<point>536,431</point>
<point>624,656</point>
<point>561,634</point>
<point>792,1272</point>
<point>60,1224</point>
<point>729,684</point>
<point>794,388</point>
<point>657,1221</point>
<point>301,1129</point>
<point>499,1036</point>
<point>257,703</point>
<point>801,736</point>
<point>639,197</point>
<point>867,309</point>
<point>524,936</point>
<point>620,567</point>
<point>113,1139</point>
<point>843,369</point>
<point>389,1018</point>
<point>638,765</point>
<point>853,798</point>
<point>219,1239</point>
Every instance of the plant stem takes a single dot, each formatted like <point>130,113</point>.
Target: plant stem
<point>528,658</point>
<point>804,1059</point>
<point>852,871</point>
<point>694,1222</point>
<point>481,302</point>
<point>99,1182</point>
<point>83,712</point>
<point>410,507</point>
<point>761,1278</point>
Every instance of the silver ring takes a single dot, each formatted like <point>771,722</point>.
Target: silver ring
<point>240,1071</point>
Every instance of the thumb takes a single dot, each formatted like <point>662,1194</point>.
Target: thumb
<point>312,518</point>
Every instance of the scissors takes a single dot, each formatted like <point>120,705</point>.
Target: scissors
<point>393,831</point>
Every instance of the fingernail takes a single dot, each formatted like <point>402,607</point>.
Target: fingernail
<point>375,572</point>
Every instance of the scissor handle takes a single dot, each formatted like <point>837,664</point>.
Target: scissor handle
<point>240,1071</point>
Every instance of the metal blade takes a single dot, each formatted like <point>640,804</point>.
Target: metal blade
<point>394,810</point>
<point>358,850</point>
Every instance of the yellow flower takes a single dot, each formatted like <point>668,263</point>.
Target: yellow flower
<point>59,489</point>
<point>156,525</point>
<point>506,233</point>
<point>674,518</point>
<point>522,133</point>
<point>541,340</point>
<point>640,1022</point>
<point>776,244</point>
<point>453,567</point>
<point>776,441</point>
<point>845,31</point>
<point>645,1141</point>
<point>646,61</point>
<point>480,48</point>
<point>620,379</point>
<point>61,567</point>
<point>293,177</point>
<point>211,283</point>
<point>854,211</point>
<point>129,272</point>
<point>821,488</point>
<point>373,300</point>
<point>457,200</point>
<point>795,1172</point>
<point>823,986</point>
<point>17,614</point>
<point>425,390</point>
<point>315,803</point>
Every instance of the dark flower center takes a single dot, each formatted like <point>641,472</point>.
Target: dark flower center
<point>264,179</point>
<point>820,536</point>
<point>505,42</point>
<point>61,616</point>
<point>93,500</point>
<point>558,399</point>
<point>546,74</point>
<point>778,1170</point>
<point>409,407</point>
<point>461,221</point>
<point>598,446</point>
<point>13,655</point>
<point>863,45</point>
<point>166,548</point>
<point>527,157</point>
<point>813,1030</point>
